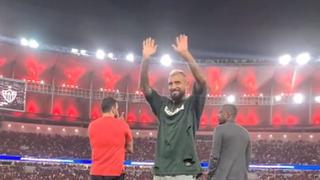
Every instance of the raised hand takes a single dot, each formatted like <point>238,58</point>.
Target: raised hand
<point>149,48</point>
<point>181,45</point>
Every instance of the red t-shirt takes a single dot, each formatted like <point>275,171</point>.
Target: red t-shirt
<point>108,137</point>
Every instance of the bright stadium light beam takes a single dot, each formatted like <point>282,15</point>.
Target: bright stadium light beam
<point>166,60</point>
<point>231,99</point>
<point>285,136</point>
<point>100,54</point>
<point>285,59</point>
<point>130,57</point>
<point>278,98</point>
<point>75,51</point>
<point>317,99</point>
<point>110,55</point>
<point>24,42</point>
<point>83,52</point>
<point>33,43</point>
<point>298,98</point>
<point>303,58</point>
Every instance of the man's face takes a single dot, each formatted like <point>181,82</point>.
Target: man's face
<point>223,116</point>
<point>177,86</point>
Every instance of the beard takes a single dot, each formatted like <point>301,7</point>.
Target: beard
<point>177,95</point>
<point>222,121</point>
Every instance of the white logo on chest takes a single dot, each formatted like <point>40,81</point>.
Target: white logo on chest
<point>171,113</point>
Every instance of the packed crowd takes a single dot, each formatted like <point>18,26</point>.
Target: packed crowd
<point>287,175</point>
<point>42,145</point>
<point>45,171</point>
<point>57,146</point>
<point>42,171</point>
<point>274,151</point>
<point>293,152</point>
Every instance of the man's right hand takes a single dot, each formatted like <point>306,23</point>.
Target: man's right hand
<point>149,48</point>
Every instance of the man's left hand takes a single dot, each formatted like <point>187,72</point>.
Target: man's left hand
<point>181,45</point>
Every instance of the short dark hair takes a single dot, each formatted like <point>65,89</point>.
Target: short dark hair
<point>107,104</point>
<point>177,71</point>
<point>231,108</point>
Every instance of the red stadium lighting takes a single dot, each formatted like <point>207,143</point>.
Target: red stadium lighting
<point>56,111</point>
<point>71,112</point>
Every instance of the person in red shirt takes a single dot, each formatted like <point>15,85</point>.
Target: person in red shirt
<point>110,138</point>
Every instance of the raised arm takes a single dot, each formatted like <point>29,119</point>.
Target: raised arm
<point>149,47</point>
<point>181,47</point>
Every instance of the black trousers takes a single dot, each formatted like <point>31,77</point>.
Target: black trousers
<point>107,177</point>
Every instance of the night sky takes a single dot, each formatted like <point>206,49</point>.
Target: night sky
<point>229,27</point>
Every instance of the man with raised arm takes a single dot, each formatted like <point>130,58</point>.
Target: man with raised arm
<point>178,115</point>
